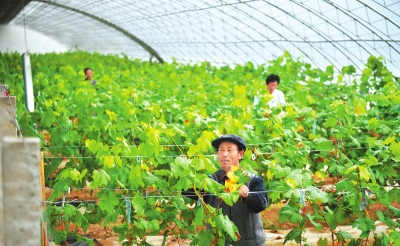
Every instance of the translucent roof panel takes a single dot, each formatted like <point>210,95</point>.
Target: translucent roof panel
<point>225,31</point>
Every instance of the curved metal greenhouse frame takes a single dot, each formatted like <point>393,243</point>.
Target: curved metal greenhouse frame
<point>321,32</point>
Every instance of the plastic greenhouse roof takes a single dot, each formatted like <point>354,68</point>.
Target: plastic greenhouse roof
<point>323,32</point>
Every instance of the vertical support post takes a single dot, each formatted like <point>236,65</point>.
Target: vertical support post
<point>21,195</point>
<point>7,111</point>
<point>43,196</point>
<point>7,128</point>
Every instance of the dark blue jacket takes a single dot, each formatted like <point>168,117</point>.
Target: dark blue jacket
<point>245,212</point>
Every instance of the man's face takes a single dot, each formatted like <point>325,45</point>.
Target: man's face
<point>89,73</point>
<point>229,155</point>
<point>272,86</point>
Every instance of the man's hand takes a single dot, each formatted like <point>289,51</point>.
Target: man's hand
<point>244,191</point>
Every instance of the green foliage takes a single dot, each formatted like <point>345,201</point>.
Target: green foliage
<point>143,132</point>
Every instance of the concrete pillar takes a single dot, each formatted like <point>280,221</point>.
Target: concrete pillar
<point>7,111</point>
<point>21,199</point>
<point>3,89</point>
<point>7,106</point>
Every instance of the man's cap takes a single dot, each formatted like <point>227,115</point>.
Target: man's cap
<point>230,138</point>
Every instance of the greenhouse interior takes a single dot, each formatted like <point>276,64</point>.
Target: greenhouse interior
<point>207,122</point>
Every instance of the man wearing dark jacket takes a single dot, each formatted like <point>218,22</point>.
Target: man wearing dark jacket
<point>253,198</point>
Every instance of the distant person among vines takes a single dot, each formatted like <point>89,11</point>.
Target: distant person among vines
<point>245,212</point>
<point>277,96</point>
<point>89,74</point>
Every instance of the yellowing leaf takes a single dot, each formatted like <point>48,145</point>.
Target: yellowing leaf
<point>340,78</point>
<point>108,161</point>
<point>320,175</point>
<point>231,186</point>
<point>373,160</point>
<point>364,173</point>
<point>153,135</point>
<point>144,166</point>
<point>395,148</point>
<point>112,115</point>
<point>291,182</point>
<point>290,111</point>
<point>235,179</point>
<point>389,140</point>
<point>118,161</point>
<point>310,99</point>
<point>351,169</point>
<point>372,120</point>
<point>270,175</point>
<point>170,132</point>
<point>239,90</point>
<point>48,103</point>
<point>359,106</point>
<point>237,102</point>
<point>93,146</point>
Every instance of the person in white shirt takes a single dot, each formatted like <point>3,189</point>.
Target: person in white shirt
<point>277,96</point>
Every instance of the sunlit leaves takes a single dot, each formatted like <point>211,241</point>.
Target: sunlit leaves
<point>198,220</point>
<point>389,140</point>
<point>323,144</point>
<point>365,225</point>
<point>364,172</point>
<point>298,178</point>
<point>100,179</point>
<point>316,195</point>
<point>277,171</point>
<point>95,146</point>
<point>148,127</point>
<point>108,200</point>
<point>153,136</point>
<point>226,225</point>
<point>108,161</point>
<point>359,106</point>
<point>135,177</point>
<point>139,204</point>
<point>288,213</point>
<point>395,148</point>
<point>313,222</point>
<point>184,183</point>
<point>330,122</point>
<point>112,115</point>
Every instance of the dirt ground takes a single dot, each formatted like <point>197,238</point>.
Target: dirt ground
<point>273,237</point>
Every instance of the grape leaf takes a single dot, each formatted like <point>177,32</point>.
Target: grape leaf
<point>108,200</point>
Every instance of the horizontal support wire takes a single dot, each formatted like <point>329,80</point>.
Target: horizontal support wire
<point>193,194</point>
<point>135,124</point>
<point>164,156</point>
<point>162,145</point>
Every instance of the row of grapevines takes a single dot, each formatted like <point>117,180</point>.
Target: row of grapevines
<point>145,129</point>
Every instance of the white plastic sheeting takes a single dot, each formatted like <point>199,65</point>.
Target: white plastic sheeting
<point>323,32</point>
